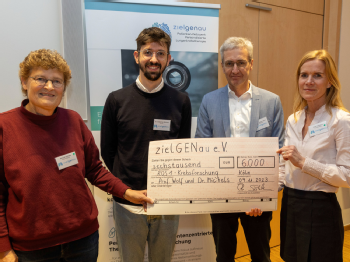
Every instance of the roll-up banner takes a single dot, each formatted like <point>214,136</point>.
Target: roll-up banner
<point>111,30</point>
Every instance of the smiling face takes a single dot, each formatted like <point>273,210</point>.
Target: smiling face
<point>43,100</point>
<point>152,68</point>
<point>237,77</point>
<point>313,82</point>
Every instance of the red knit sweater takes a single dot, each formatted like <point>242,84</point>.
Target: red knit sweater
<point>40,205</point>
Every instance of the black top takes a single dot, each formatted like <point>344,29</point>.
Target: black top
<point>127,128</point>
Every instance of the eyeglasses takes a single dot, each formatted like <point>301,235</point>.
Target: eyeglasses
<point>42,81</point>
<point>239,63</point>
<point>160,55</point>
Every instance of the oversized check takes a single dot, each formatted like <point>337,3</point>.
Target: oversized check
<point>212,175</point>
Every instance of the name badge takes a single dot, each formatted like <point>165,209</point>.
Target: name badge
<point>161,125</point>
<point>263,123</point>
<point>317,129</point>
<point>67,160</point>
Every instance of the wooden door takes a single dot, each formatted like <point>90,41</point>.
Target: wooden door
<point>311,6</point>
<point>285,35</point>
<point>235,20</point>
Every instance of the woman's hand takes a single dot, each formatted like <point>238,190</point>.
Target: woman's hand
<point>8,256</point>
<point>292,154</point>
<point>138,197</point>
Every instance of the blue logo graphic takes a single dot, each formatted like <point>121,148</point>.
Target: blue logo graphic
<point>164,27</point>
<point>111,233</point>
<point>60,164</point>
<point>312,132</point>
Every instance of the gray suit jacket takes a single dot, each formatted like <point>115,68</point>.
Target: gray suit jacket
<point>214,117</point>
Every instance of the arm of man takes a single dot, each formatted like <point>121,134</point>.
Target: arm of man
<point>203,124</point>
<point>109,132</point>
<point>278,126</point>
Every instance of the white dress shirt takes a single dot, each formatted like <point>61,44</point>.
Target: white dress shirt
<point>240,111</point>
<point>327,155</point>
<point>144,89</point>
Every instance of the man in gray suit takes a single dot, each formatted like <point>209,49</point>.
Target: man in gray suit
<point>240,109</point>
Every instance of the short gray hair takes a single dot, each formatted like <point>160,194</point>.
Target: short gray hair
<point>237,42</point>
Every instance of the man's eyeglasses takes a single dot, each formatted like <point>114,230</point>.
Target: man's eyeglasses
<point>42,82</point>
<point>160,55</point>
<point>239,63</point>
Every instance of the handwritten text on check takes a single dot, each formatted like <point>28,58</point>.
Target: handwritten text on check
<point>211,175</point>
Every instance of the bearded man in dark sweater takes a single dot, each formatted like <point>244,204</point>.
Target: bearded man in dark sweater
<point>130,120</point>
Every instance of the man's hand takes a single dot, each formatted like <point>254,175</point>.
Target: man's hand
<point>254,212</point>
<point>8,256</point>
<point>138,197</point>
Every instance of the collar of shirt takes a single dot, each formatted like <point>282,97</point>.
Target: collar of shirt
<point>240,111</point>
<point>320,114</point>
<point>319,111</point>
<point>144,89</point>
<point>247,95</point>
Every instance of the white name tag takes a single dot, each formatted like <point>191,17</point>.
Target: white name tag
<point>67,160</point>
<point>263,123</point>
<point>317,129</point>
<point>162,125</point>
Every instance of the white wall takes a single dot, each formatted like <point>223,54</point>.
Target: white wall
<point>24,26</point>
<point>344,67</point>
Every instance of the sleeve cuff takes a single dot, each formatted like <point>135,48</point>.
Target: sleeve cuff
<point>313,167</point>
<point>121,190</point>
<point>5,244</point>
<point>125,192</point>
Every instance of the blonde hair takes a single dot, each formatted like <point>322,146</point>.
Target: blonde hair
<point>332,94</point>
<point>46,59</point>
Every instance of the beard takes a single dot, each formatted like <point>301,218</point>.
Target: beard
<point>152,76</point>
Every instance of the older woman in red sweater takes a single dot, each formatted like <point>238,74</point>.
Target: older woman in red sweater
<point>47,212</point>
